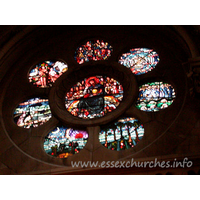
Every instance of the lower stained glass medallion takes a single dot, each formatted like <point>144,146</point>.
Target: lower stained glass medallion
<point>121,135</point>
<point>63,142</point>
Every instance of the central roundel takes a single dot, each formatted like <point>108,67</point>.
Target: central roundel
<point>93,94</point>
<point>94,97</point>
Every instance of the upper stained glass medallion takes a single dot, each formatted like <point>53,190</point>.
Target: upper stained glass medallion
<point>140,60</point>
<point>44,74</point>
<point>93,50</point>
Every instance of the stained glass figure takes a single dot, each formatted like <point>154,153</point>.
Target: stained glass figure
<point>93,50</point>
<point>140,60</point>
<point>32,113</point>
<point>44,74</point>
<point>121,135</point>
<point>94,97</point>
<point>63,142</point>
<point>155,96</point>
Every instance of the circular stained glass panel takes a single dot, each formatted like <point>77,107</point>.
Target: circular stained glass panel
<point>94,97</point>
<point>63,142</point>
<point>155,96</point>
<point>44,74</point>
<point>93,50</point>
<point>121,135</point>
<point>140,60</point>
<point>32,113</point>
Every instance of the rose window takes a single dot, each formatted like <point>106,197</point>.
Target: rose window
<point>92,94</point>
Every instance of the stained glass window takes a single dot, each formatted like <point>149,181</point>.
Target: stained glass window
<point>45,74</point>
<point>63,142</point>
<point>93,50</point>
<point>32,113</point>
<point>140,60</point>
<point>94,97</point>
<point>121,135</point>
<point>155,96</point>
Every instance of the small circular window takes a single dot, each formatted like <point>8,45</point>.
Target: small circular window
<point>121,135</point>
<point>155,96</point>
<point>63,142</point>
<point>32,113</point>
<point>93,50</point>
<point>44,74</point>
<point>140,60</point>
<point>94,97</point>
